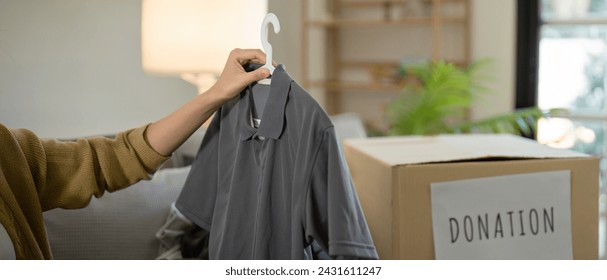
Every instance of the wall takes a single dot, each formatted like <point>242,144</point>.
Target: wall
<point>72,68</point>
<point>494,37</point>
<point>286,44</point>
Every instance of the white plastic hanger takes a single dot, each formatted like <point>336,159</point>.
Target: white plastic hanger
<point>270,18</point>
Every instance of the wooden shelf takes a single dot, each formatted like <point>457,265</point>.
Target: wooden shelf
<point>381,22</point>
<point>433,17</point>
<point>370,3</point>
<point>385,64</point>
<point>370,64</point>
<point>356,86</point>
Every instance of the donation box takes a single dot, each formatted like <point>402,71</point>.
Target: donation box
<point>476,197</point>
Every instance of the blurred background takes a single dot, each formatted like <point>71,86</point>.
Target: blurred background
<point>537,68</point>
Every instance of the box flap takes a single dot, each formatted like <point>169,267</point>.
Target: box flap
<point>404,150</point>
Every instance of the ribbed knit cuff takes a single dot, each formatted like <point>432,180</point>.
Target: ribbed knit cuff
<point>150,158</point>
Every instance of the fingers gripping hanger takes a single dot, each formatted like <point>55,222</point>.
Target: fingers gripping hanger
<point>270,18</point>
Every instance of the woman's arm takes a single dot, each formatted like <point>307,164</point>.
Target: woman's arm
<point>167,134</point>
<point>67,174</point>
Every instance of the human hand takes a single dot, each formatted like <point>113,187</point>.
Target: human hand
<point>168,133</point>
<point>234,78</point>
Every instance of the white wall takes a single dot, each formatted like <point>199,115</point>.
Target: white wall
<point>494,37</point>
<point>72,68</point>
<point>286,44</point>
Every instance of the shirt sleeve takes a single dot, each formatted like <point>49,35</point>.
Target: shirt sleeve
<point>68,173</point>
<point>197,198</point>
<point>333,214</point>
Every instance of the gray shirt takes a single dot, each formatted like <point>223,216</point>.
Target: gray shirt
<point>268,193</point>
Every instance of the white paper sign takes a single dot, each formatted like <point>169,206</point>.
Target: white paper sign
<point>524,216</point>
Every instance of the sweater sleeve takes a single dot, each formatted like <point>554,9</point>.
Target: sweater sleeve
<point>68,173</point>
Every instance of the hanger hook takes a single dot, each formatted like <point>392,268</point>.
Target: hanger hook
<point>270,18</point>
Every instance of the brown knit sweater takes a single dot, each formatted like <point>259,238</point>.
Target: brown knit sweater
<point>37,175</point>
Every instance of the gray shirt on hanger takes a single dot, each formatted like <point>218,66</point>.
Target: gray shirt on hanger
<point>268,193</point>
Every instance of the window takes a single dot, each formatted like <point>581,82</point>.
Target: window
<point>562,63</point>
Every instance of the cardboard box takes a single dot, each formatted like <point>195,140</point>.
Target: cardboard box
<point>392,176</point>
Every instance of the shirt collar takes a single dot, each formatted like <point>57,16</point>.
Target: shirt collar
<point>272,124</point>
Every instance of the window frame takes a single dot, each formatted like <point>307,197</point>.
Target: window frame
<point>527,53</point>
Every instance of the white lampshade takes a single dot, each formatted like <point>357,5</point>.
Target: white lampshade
<point>196,36</point>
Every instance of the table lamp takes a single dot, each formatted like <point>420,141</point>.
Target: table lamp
<point>193,38</point>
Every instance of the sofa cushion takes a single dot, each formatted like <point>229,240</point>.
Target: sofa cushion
<point>119,225</point>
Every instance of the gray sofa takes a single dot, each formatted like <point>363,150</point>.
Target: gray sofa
<point>122,225</point>
<point>118,226</point>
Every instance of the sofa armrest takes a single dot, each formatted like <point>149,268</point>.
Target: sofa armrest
<point>119,225</point>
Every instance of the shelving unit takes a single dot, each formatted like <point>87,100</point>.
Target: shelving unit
<point>344,26</point>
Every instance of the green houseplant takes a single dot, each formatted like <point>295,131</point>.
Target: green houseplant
<point>439,97</point>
